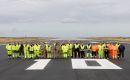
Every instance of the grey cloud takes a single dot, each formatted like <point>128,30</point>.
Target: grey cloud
<point>54,10</point>
<point>69,20</point>
<point>63,17</point>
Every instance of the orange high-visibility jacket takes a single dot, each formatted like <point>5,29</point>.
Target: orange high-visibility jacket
<point>110,46</point>
<point>94,48</point>
<point>115,50</point>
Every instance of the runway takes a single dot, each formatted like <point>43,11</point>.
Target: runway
<point>61,69</point>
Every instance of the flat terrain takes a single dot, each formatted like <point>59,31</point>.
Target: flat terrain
<point>28,39</point>
<point>60,69</point>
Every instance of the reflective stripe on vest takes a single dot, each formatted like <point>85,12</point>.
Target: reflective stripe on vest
<point>82,47</point>
<point>88,46</point>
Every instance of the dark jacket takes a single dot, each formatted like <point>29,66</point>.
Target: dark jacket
<point>121,48</point>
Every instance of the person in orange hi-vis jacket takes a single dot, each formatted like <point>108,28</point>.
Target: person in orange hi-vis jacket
<point>94,50</point>
<point>114,51</point>
<point>110,47</point>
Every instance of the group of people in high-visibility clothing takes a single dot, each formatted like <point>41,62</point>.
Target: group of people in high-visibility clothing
<point>16,50</point>
<point>65,50</point>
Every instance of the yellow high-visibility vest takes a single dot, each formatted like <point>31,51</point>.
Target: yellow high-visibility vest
<point>83,47</point>
<point>88,46</point>
<point>76,46</point>
<point>49,48</point>
<point>8,47</point>
<point>31,48</point>
<point>65,48</point>
<point>13,47</point>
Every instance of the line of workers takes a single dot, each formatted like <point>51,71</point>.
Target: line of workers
<point>66,50</point>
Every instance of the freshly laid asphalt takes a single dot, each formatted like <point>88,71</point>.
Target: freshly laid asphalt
<point>60,69</point>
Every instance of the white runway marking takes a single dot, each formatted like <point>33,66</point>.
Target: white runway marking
<point>125,42</point>
<point>105,64</point>
<point>94,42</point>
<point>39,65</point>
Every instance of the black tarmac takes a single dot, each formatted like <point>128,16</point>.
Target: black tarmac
<point>60,69</point>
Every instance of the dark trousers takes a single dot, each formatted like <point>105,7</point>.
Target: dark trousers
<point>94,54</point>
<point>106,54</point>
<point>21,53</point>
<point>82,54</point>
<point>76,51</point>
<point>121,54</point>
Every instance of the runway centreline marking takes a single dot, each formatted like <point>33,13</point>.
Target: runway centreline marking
<point>105,64</point>
<point>39,65</point>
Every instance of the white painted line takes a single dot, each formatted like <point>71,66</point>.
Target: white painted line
<point>94,42</point>
<point>105,64</point>
<point>39,65</point>
<point>125,42</point>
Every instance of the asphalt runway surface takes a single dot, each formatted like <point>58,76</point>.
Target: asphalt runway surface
<point>60,69</point>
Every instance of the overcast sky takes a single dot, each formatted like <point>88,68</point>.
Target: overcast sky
<point>64,18</point>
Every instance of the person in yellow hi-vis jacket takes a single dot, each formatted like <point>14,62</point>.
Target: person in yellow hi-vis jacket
<point>60,51</point>
<point>26,50</point>
<point>35,46</point>
<point>9,50</point>
<point>38,50</point>
<point>88,51</point>
<point>17,46</point>
<point>77,50</point>
<point>46,48</point>
<point>82,51</point>
<point>31,51</point>
<point>49,54</point>
<point>26,46</point>
<point>70,46</point>
<point>65,50</point>
<point>101,50</point>
<point>13,46</point>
